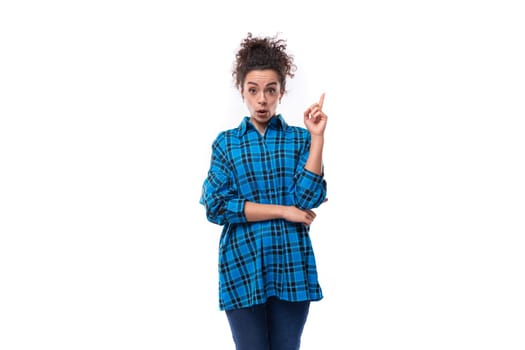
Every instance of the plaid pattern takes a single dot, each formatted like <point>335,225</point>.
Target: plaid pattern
<point>258,260</point>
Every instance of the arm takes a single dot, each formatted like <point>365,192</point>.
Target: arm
<point>260,212</point>
<point>309,186</point>
<point>314,163</point>
<point>315,121</point>
<point>219,191</point>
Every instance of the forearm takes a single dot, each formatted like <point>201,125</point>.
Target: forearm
<point>260,212</point>
<point>314,163</point>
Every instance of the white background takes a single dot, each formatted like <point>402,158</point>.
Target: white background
<point>107,114</point>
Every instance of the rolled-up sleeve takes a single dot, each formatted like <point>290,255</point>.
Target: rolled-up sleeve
<point>310,189</point>
<point>219,194</point>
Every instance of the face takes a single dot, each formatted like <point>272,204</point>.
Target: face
<point>261,93</point>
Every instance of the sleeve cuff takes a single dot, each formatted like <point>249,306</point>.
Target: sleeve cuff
<point>235,209</point>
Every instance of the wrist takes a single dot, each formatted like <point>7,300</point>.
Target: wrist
<point>281,211</point>
<point>316,142</point>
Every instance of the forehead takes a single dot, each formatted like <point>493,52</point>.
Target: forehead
<point>261,77</point>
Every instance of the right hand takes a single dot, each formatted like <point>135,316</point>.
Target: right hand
<point>294,214</point>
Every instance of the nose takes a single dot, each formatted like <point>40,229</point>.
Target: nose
<point>261,98</point>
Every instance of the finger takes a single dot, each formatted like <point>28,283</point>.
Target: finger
<point>307,113</point>
<point>316,116</point>
<point>316,111</point>
<point>310,112</point>
<point>321,100</point>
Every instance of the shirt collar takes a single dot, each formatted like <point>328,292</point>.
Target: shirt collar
<point>276,122</point>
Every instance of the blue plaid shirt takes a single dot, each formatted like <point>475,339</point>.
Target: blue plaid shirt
<point>258,260</point>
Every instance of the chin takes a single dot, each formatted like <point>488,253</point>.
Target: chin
<point>259,119</point>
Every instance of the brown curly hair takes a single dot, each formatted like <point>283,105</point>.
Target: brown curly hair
<point>257,53</point>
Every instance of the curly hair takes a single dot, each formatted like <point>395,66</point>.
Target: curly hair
<point>257,53</point>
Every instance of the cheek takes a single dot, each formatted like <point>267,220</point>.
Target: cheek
<point>248,102</point>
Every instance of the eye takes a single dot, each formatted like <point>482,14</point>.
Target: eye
<point>252,91</point>
<point>272,91</point>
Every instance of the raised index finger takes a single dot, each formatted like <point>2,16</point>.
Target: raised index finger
<point>321,101</point>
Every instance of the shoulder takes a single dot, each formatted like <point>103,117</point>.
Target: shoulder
<point>234,133</point>
<point>298,132</point>
<point>226,137</point>
<point>293,130</point>
<point>228,134</point>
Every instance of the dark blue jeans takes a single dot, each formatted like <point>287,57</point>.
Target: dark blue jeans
<point>274,325</point>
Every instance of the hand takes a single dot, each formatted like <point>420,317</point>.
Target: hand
<point>294,214</point>
<point>315,119</point>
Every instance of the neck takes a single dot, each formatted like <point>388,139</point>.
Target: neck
<point>259,126</point>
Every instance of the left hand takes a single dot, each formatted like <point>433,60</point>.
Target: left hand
<point>315,119</point>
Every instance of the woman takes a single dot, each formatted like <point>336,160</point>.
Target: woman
<point>264,180</point>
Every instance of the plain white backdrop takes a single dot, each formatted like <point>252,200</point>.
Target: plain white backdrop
<point>107,114</point>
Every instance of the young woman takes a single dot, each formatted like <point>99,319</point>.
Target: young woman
<point>264,180</point>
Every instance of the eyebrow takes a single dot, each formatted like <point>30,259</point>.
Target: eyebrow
<point>269,84</point>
